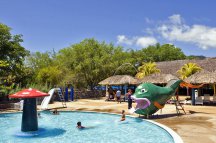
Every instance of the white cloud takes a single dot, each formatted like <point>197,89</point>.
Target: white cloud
<point>176,30</point>
<point>146,41</point>
<point>148,31</point>
<point>148,20</point>
<point>139,41</point>
<point>122,39</point>
<point>176,19</point>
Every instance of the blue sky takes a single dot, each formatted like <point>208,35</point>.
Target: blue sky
<point>56,24</point>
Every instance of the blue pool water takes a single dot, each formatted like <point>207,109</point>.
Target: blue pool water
<point>101,128</point>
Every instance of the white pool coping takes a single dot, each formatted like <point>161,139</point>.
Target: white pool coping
<point>175,136</point>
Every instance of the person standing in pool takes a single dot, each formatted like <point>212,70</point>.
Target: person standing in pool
<point>123,115</point>
<point>39,115</point>
<point>55,112</point>
<point>129,94</point>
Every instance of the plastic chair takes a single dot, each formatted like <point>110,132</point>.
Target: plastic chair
<point>214,99</point>
<point>206,98</point>
<point>199,101</point>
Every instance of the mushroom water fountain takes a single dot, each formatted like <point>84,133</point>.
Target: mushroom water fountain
<point>29,115</point>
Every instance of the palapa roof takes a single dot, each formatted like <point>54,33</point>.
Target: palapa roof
<point>171,67</point>
<point>158,78</point>
<point>169,71</point>
<point>119,80</point>
<point>202,77</point>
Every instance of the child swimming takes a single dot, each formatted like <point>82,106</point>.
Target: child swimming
<point>79,126</point>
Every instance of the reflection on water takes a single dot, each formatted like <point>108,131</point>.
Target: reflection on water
<point>41,133</point>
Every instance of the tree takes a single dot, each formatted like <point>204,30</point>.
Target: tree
<point>166,52</point>
<point>44,68</point>
<point>188,69</point>
<point>50,75</point>
<point>12,56</point>
<point>90,61</point>
<point>147,69</point>
<point>39,60</point>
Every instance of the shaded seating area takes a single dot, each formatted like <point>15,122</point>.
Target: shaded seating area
<point>206,94</point>
<point>123,81</point>
<point>206,98</point>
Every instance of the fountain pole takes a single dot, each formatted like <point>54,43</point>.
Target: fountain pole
<point>29,116</point>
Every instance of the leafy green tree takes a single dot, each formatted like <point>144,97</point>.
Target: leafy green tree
<point>12,56</point>
<point>90,61</point>
<point>188,69</point>
<point>50,75</point>
<point>39,60</point>
<point>44,68</point>
<point>147,69</point>
<point>166,52</point>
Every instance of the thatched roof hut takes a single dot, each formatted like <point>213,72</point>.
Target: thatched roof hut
<point>119,80</point>
<point>158,78</point>
<point>171,67</point>
<point>202,77</point>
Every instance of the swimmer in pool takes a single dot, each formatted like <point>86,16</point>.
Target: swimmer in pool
<point>79,125</point>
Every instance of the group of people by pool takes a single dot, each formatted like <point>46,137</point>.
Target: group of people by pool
<point>117,94</point>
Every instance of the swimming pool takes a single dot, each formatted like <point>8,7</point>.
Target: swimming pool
<point>101,128</point>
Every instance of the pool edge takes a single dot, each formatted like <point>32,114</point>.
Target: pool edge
<point>175,136</point>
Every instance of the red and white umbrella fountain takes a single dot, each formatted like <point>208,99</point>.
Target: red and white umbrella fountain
<point>29,116</point>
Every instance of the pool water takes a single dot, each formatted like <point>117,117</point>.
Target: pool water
<point>100,128</point>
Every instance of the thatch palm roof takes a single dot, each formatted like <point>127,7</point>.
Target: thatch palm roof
<point>119,80</point>
<point>171,67</point>
<point>202,77</point>
<point>158,78</point>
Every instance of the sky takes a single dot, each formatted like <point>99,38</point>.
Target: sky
<point>133,24</point>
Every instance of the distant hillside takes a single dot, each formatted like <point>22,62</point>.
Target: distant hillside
<point>200,57</point>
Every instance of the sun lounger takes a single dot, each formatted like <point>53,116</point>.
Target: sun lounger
<point>188,102</point>
<point>198,100</point>
<point>206,98</point>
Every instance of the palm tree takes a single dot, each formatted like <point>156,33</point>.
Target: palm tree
<point>147,69</point>
<point>188,69</point>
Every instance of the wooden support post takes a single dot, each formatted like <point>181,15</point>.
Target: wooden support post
<point>214,89</point>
